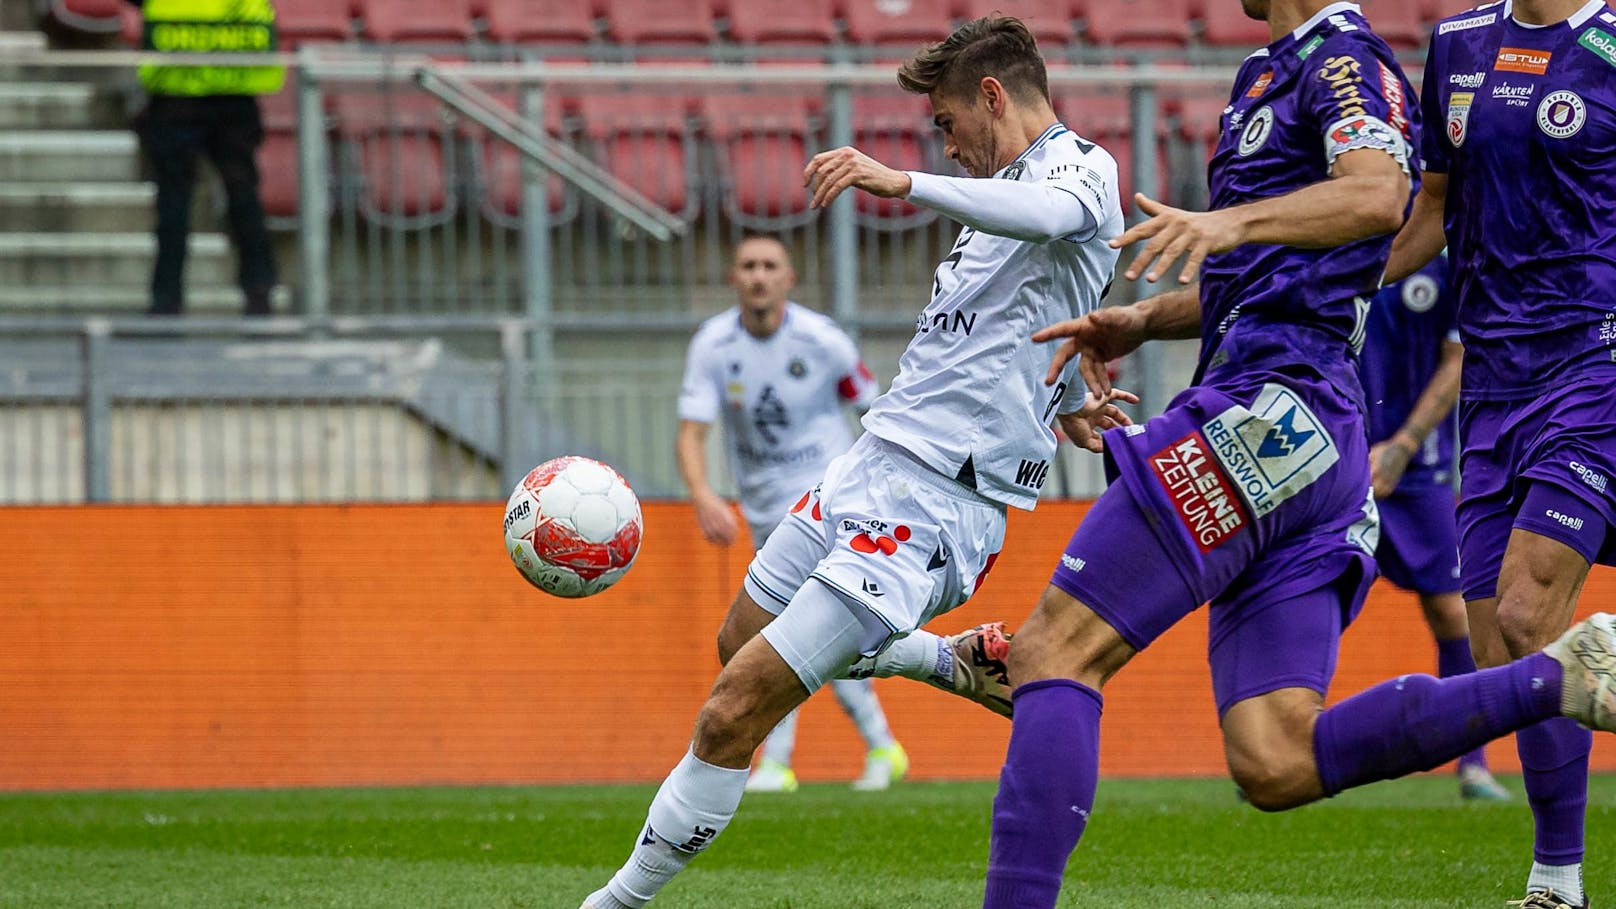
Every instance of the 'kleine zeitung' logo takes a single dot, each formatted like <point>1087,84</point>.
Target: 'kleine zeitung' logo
<point>1561,114</point>
<point>1256,131</point>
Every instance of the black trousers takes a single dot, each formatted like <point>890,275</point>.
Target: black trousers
<point>174,131</point>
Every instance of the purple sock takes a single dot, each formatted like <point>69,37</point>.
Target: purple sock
<point>1554,767</point>
<point>1046,790</point>
<point>1416,722</point>
<point>1453,658</point>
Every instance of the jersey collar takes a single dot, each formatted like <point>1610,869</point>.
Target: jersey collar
<point>1588,11</point>
<point>1333,9</point>
<point>1050,132</point>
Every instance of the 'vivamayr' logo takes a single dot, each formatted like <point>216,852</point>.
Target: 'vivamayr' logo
<point>1284,438</point>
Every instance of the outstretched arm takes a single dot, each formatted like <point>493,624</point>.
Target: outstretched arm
<point>1037,212</point>
<point>1115,331</point>
<point>1364,197</point>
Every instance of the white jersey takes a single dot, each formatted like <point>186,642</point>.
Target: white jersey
<point>781,399</point>
<point>969,399</point>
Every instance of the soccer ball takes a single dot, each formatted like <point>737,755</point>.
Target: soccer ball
<point>572,527</point>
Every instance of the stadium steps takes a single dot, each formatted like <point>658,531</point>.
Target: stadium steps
<point>52,105</point>
<point>76,206</point>
<point>84,156</point>
<point>104,261</point>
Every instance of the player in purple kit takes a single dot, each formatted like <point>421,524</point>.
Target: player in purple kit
<point>1252,491</point>
<point>1410,372</point>
<point>1521,188</point>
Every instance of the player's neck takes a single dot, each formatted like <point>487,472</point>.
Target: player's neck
<point>762,324</point>
<point>1023,130</point>
<point>1544,12</point>
<point>1286,16</point>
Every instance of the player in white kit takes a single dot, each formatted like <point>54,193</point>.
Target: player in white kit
<point>906,524</point>
<point>777,376</point>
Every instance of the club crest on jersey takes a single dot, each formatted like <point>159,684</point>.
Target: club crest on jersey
<point>798,369</point>
<point>1419,293</point>
<point>1561,114</point>
<point>1459,116</point>
<point>1014,171</point>
<point>1255,135</point>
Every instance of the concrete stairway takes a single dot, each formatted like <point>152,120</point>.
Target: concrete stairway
<point>75,216</point>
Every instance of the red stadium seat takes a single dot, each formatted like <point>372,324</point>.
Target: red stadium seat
<point>1139,24</point>
<point>762,145</point>
<point>304,21</point>
<point>93,17</point>
<point>1051,21</point>
<point>501,179</point>
<point>396,143</point>
<point>417,21</point>
<point>1400,23</point>
<point>677,22</point>
<point>895,23</point>
<point>643,140</point>
<point>538,22</point>
<point>1223,24</point>
<point>277,158</point>
<point>782,22</point>
<point>133,25</point>
<point>893,129</point>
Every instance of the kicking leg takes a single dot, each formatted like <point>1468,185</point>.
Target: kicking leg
<point>813,641</point>
<point>1445,616</point>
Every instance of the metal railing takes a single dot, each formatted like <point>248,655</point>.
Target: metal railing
<point>582,213</point>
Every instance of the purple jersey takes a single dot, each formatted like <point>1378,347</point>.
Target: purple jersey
<point>1330,87</point>
<point>1408,323</point>
<point>1529,146</point>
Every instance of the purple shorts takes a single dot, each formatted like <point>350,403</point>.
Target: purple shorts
<point>1542,465</point>
<point>1419,541</point>
<point>1256,500</point>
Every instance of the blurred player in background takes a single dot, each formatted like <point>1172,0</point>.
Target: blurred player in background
<point>778,375</point>
<point>1252,491</point>
<point>906,525</point>
<point>1520,175</point>
<point>1410,371</point>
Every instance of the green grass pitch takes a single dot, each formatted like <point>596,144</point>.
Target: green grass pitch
<point>1159,843</point>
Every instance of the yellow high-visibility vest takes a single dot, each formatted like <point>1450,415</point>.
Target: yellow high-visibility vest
<point>210,26</point>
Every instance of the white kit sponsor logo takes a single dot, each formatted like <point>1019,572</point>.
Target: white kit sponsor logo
<point>1590,476</point>
<point>1273,450</point>
<point>1459,25</point>
<point>1467,80</point>
<point>1513,95</point>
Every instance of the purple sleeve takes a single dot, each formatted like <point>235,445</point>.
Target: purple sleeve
<point>1358,100</point>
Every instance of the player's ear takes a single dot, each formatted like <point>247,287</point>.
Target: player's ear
<point>993,95</point>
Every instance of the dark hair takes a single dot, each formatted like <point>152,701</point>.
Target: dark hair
<point>997,46</point>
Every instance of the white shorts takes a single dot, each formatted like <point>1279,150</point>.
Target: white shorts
<point>886,532</point>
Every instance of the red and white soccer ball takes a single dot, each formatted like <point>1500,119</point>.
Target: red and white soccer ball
<point>572,526</point>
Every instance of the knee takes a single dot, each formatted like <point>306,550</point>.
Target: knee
<point>1523,622</point>
<point>721,726</point>
<point>1065,639</point>
<point>1275,782</point>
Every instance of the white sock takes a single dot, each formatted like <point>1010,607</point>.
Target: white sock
<point>920,655</point>
<point>1564,880</point>
<point>694,805</point>
<point>782,739</point>
<point>864,709</point>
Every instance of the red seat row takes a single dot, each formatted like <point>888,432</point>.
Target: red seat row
<point>898,24</point>
<point>393,151</point>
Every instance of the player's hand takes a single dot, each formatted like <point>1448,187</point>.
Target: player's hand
<point>1172,232</point>
<point>1387,461</point>
<point>1099,337</point>
<point>830,172</point>
<point>1085,427</point>
<point>716,520</point>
